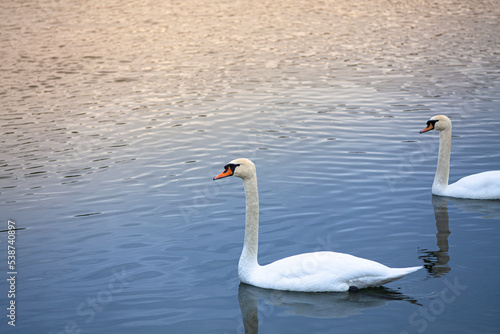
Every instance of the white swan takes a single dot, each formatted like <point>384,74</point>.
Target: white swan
<point>309,272</point>
<point>484,185</point>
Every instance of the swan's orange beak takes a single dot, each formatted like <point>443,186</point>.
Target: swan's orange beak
<point>429,127</point>
<point>227,172</point>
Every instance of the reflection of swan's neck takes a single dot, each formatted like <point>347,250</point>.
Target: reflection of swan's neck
<point>248,258</point>
<point>442,225</point>
<point>443,164</point>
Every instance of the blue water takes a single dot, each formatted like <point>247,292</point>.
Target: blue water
<point>117,115</point>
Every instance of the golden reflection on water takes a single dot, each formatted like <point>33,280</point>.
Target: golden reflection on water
<point>65,47</point>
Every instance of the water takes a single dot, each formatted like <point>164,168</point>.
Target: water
<point>116,115</point>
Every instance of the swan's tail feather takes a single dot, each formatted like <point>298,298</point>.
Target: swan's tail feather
<point>410,270</point>
<point>397,273</point>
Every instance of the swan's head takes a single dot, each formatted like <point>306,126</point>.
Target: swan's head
<point>439,122</point>
<point>242,168</point>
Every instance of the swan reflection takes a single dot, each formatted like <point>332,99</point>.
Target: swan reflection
<point>436,261</point>
<point>314,305</point>
<point>489,209</point>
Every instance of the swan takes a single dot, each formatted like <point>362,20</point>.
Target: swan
<point>310,272</point>
<point>484,185</point>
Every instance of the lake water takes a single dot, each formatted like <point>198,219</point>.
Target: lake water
<point>116,115</point>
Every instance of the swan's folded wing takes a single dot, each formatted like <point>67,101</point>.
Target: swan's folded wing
<point>484,185</point>
<point>326,271</point>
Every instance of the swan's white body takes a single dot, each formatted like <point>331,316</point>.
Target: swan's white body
<point>484,185</point>
<point>309,272</point>
<point>320,271</point>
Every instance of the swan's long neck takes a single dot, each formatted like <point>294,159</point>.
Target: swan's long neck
<point>248,258</point>
<point>443,164</point>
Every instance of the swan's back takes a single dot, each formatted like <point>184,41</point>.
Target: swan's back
<point>484,185</point>
<point>324,271</point>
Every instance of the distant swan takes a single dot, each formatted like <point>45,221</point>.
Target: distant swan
<point>309,272</point>
<point>484,185</point>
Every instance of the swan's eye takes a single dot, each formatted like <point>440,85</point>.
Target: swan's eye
<point>432,122</point>
<point>232,166</point>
